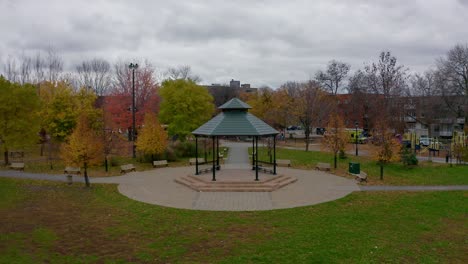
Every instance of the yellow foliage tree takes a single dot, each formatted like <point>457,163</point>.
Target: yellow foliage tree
<point>335,138</point>
<point>388,148</point>
<point>84,146</point>
<point>152,139</point>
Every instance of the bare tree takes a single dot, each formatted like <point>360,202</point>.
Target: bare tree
<point>182,72</point>
<point>389,80</point>
<point>25,69</point>
<point>334,75</point>
<point>452,79</point>
<point>386,77</point>
<point>53,65</point>
<point>38,65</point>
<point>10,69</point>
<point>310,107</point>
<point>95,74</point>
<point>423,84</point>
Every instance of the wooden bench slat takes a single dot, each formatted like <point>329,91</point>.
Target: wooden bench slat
<point>323,166</point>
<point>127,167</point>
<point>283,162</point>
<point>70,170</point>
<point>17,166</point>
<point>193,161</point>
<point>157,163</point>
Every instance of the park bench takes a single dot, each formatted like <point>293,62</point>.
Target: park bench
<point>160,163</point>
<point>323,166</point>
<point>193,161</point>
<point>127,167</point>
<point>17,166</point>
<point>265,169</point>
<point>361,177</point>
<point>205,170</point>
<point>283,162</point>
<point>72,170</point>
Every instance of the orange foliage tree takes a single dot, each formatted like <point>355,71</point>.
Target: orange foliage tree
<point>84,147</point>
<point>153,138</point>
<point>335,138</point>
<point>388,148</point>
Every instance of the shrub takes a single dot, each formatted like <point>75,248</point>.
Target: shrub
<point>408,157</point>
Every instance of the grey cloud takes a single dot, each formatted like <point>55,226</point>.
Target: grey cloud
<point>261,42</point>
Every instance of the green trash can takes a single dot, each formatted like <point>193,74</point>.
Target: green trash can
<point>354,168</point>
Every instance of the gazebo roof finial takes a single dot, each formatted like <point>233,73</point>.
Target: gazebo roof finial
<point>234,104</point>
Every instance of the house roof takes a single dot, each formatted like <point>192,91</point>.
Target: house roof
<point>235,120</point>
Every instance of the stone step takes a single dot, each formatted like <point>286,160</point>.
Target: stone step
<point>198,184</point>
<point>234,189</point>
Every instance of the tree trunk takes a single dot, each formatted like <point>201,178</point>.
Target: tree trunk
<point>106,164</point>
<point>381,171</point>
<point>86,174</point>
<point>307,132</point>
<point>335,160</point>
<point>5,155</point>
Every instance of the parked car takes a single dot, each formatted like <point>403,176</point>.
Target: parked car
<point>424,140</point>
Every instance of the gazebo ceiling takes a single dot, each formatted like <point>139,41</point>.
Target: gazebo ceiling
<point>235,121</point>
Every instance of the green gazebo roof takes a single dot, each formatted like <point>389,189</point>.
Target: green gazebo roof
<point>235,120</point>
<point>234,104</point>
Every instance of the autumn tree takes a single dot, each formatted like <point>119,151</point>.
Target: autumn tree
<point>335,138</point>
<point>61,106</point>
<point>388,148</point>
<point>119,101</point>
<point>153,138</point>
<point>83,147</point>
<point>18,116</point>
<point>331,79</point>
<point>184,107</point>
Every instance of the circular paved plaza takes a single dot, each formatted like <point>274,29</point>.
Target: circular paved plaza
<point>158,187</point>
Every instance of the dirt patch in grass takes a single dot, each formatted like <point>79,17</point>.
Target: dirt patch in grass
<point>222,244</point>
<point>79,226</point>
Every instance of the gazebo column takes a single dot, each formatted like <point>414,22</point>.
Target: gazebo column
<point>196,155</point>
<point>253,153</point>
<point>214,161</point>
<point>256,158</point>
<point>274,154</point>
<point>217,153</point>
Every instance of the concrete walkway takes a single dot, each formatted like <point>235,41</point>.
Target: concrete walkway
<point>157,186</point>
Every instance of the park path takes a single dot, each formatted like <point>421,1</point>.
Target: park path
<point>238,156</point>
<point>157,186</point>
<point>118,179</point>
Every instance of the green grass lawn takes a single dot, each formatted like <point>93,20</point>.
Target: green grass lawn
<point>426,173</point>
<point>48,222</point>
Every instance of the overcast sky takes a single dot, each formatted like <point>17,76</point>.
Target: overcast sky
<point>257,42</point>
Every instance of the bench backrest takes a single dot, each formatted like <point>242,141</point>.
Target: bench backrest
<point>127,167</point>
<point>17,165</point>
<point>324,165</point>
<point>159,162</point>
<point>72,169</point>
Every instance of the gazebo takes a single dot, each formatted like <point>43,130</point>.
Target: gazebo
<point>234,120</point>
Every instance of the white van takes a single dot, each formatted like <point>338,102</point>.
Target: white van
<point>424,140</point>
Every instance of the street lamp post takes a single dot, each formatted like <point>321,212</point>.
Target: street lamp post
<point>133,67</point>
<point>356,137</point>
